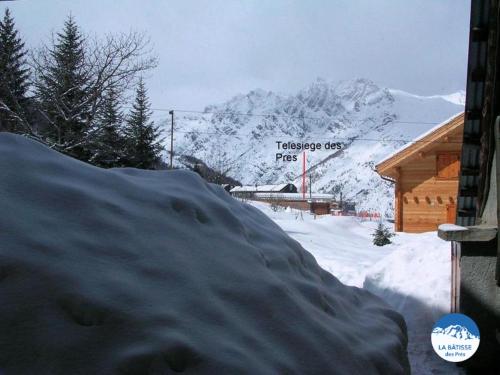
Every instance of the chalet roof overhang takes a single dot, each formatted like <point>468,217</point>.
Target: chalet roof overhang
<point>419,146</point>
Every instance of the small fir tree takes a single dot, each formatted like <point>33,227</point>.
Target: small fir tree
<point>143,143</point>
<point>14,77</point>
<point>108,141</point>
<point>382,235</point>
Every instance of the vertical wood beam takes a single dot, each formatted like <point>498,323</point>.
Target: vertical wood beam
<point>398,219</point>
<point>455,277</point>
<point>496,174</point>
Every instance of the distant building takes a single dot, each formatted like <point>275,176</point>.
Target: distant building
<point>286,195</point>
<point>249,191</point>
<point>425,173</point>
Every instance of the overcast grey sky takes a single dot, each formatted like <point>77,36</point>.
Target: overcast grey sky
<point>210,50</point>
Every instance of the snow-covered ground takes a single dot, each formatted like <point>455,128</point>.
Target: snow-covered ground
<point>412,274</point>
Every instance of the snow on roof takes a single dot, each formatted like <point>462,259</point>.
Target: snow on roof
<point>451,228</point>
<point>294,196</point>
<point>257,188</point>
<point>420,137</point>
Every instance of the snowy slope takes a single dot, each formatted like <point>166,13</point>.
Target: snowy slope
<point>455,98</point>
<point>415,279</point>
<point>157,272</point>
<point>358,113</point>
<point>412,274</point>
<point>341,245</point>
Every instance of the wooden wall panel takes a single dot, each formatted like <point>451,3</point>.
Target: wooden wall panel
<point>425,197</point>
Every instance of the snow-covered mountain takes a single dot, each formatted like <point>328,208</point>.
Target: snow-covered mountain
<point>240,136</point>
<point>457,331</point>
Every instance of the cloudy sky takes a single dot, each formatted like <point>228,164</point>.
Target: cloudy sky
<point>210,50</point>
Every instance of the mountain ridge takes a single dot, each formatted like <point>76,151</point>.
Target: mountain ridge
<point>370,121</point>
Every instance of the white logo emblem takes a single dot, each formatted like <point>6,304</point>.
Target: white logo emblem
<point>455,337</point>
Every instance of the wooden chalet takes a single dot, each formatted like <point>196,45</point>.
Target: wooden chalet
<point>425,173</point>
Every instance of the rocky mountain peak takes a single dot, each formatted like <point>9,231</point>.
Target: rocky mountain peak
<point>237,136</point>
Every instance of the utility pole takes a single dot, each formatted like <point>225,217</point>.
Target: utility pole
<point>171,113</point>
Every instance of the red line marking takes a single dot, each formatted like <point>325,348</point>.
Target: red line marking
<point>304,175</point>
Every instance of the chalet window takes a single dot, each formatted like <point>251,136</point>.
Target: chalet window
<point>447,165</point>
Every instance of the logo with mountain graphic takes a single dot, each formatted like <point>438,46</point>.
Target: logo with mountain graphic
<point>455,337</point>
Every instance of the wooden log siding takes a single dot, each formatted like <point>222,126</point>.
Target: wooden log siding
<point>425,195</point>
<point>426,180</point>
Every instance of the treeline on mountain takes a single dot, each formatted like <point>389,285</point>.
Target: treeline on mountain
<point>72,93</point>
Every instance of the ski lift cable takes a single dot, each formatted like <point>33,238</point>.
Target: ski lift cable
<point>352,139</point>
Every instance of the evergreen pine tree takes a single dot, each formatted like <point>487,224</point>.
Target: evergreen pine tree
<point>143,137</point>
<point>109,142</point>
<point>14,76</point>
<point>62,91</point>
<point>382,235</point>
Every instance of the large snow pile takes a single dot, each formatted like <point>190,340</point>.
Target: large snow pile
<point>142,272</point>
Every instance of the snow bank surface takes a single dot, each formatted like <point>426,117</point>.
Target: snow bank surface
<point>141,272</point>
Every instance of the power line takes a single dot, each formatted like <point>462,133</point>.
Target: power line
<point>275,115</point>
<point>352,139</point>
